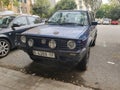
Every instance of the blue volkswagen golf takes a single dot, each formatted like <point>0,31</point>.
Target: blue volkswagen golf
<point>65,39</point>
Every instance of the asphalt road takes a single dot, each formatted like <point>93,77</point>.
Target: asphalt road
<point>104,66</point>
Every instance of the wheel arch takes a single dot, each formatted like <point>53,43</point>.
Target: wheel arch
<point>7,38</point>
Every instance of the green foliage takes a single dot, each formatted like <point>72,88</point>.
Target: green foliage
<point>15,3</point>
<point>65,5</point>
<point>109,11</point>
<point>5,2</point>
<point>93,4</point>
<point>115,12</point>
<point>41,8</point>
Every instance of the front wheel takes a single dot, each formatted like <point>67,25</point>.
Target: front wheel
<point>4,47</point>
<point>82,65</point>
<point>94,42</point>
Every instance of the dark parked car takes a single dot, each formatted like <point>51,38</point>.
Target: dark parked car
<point>12,24</point>
<point>66,39</point>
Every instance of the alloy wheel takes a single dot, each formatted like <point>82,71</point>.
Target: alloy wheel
<point>4,47</point>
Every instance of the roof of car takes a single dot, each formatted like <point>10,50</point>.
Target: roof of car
<point>73,10</point>
<point>11,13</point>
<point>18,15</point>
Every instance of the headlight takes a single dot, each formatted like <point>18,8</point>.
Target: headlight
<point>71,44</point>
<point>52,44</point>
<point>23,39</point>
<point>30,42</point>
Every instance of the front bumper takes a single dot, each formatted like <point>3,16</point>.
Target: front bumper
<point>66,58</point>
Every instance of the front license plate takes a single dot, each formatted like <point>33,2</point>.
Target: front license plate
<point>44,54</point>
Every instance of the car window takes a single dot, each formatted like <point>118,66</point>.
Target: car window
<point>33,20</point>
<point>5,21</point>
<point>76,18</point>
<point>21,21</point>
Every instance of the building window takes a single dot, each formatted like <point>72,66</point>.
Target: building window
<point>25,1</point>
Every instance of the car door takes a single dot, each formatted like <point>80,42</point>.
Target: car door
<point>23,25</point>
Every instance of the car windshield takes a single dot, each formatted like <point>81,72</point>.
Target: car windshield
<point>5,21</point>
<point>69,18</point>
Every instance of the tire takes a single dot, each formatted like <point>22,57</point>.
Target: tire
<point>94,42</point>
<point>82,65</point>
<point>34,59</point>
<point>4,47</point>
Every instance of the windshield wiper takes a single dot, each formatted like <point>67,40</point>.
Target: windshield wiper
<point>50,22</point>
<point>76,24</point>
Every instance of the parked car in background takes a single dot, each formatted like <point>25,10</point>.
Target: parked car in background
<point>114,22</point>
<point>66,39</point>
<point>10,24</point>
<point>99,21</point>
<point>106,21</point>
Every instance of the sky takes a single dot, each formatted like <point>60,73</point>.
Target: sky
<point>105,1</point>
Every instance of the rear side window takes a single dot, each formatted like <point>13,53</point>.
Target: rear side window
<point>33,20</point>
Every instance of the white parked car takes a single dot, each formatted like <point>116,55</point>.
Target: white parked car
<point>106,21</point>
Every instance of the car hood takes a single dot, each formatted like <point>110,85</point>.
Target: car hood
<point>72,32</point>
<point>4,30</point>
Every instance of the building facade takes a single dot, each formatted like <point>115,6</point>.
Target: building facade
<point>23,6</point>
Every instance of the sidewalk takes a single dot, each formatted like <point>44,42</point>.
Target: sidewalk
<point>14,80</point>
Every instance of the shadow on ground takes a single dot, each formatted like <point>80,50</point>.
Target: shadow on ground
<point>61,74</point>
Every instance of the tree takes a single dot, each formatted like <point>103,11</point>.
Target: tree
<point>65,5</point>
<point>93,4</point>
<point>115,13</point>
<point>115,2</point>
<point>5,2</point>
<point>9,3</point>
<point>109,11</point>
<point>41,8</point>
<point>104,11</point>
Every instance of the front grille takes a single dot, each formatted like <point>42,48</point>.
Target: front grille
<point>61,44</point>
<point>38,43</point>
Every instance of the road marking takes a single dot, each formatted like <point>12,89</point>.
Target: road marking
<point>104,44</point>
<point>110,62</point>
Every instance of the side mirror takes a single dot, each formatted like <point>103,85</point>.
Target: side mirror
<point>94,23</point>
<point>15,25</point>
